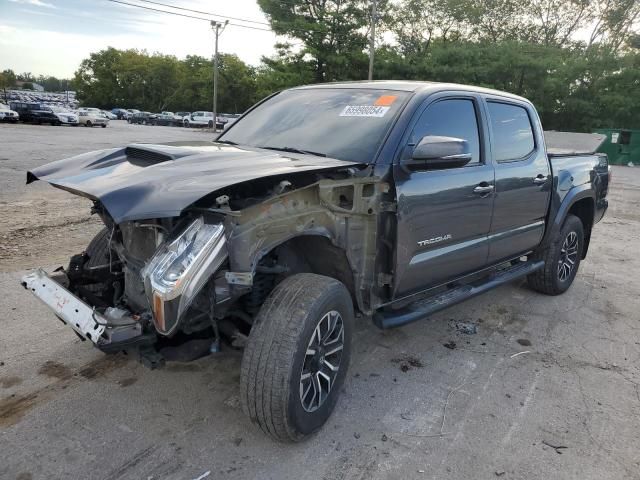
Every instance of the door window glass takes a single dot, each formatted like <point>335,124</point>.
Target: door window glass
<point>512,132</point>
<point>451,118</point>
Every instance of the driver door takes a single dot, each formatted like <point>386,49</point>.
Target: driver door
<point>444,216</point>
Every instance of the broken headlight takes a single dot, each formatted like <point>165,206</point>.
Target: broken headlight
<point>180,268</point>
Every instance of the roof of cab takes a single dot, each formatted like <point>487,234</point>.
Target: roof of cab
<point>412,86</point>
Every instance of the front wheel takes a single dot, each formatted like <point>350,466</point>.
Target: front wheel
<point>562,259</point>
<point>297,356</point>
<point>103,125</point>
<point>89,124</point>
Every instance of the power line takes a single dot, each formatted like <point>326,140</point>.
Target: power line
<point>205,13</point>
<point>121,2</point>
<point>185,15</point>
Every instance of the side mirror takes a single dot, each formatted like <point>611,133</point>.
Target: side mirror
<point>435,152</point>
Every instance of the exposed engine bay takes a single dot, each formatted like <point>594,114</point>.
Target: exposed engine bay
<point>195,279</point>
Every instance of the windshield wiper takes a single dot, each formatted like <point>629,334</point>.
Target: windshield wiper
<point>226,142</point>
<point>296,150</point>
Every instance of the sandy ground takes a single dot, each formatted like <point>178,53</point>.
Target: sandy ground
<point>568,408</point>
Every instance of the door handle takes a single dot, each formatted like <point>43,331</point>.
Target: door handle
<point>540,180</point>
<point>483,189</point>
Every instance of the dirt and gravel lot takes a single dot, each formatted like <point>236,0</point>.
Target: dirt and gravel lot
<point>548,387</point>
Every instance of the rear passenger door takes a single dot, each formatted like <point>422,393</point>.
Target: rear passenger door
<point>522,179</point>
<point>444,215</point>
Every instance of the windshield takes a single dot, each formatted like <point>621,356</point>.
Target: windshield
<point>347,124</point>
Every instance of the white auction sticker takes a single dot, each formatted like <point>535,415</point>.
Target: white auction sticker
<point>364,111</point>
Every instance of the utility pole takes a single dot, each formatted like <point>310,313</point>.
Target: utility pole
<point>373,38</point>
<point>216,29</point>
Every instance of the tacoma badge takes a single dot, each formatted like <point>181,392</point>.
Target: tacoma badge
<point>441,238</point>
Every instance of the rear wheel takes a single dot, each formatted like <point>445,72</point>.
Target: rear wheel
<point>186,123</point>
<point>210,124</point>
<point>562,259</point>
<point>104,125</point>
<point>297,356</point>
<point>89,124</point>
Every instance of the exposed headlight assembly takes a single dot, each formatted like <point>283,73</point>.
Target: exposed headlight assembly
<point>180,268</point>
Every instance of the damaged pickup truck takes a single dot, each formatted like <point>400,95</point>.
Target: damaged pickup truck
<point>382,200</point>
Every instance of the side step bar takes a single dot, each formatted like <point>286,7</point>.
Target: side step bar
<point>423,308</point>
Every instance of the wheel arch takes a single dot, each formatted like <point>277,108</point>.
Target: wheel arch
<point>312,252</point>
<point>584,209</point>
<point>579,201</point>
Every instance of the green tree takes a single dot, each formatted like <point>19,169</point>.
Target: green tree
<point>8,78</point>
<point>284,70</point>
<point>135,79</point>
<point>333,33</point>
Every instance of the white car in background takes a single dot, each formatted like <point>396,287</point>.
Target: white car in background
<point>89,109</point>
<point>65,116</point>
<point>90,119</point>
<point>8,115</point>
<point>199,119</point>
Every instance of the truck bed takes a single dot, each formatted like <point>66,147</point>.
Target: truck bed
<point>568,143</point>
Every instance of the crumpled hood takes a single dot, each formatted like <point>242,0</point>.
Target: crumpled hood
<point>153,181</point>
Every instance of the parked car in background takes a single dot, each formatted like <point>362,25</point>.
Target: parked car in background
<point>8,115</point>
<point>142,118</point>
<point>168,119</point>
<point>34,113</point>
<point>109,115</point>
<point>90,119</point>
<point>120,113</point>
<point>199,119</point>
<point>89,109</point>
<point>230,119</point>
<point>182,116</point>
<point>65,116</point>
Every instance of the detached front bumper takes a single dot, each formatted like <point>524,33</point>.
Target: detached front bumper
<point>106,333</point>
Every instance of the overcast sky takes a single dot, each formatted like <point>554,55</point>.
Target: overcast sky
<point>52,37</point>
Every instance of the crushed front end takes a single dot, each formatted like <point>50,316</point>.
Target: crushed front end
<point>135,283</point>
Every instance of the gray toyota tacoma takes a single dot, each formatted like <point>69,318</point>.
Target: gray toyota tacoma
<point>382,200</point>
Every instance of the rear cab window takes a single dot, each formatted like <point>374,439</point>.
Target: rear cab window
<point>513,138</point>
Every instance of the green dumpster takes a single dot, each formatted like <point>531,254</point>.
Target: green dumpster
<point>622,145</point>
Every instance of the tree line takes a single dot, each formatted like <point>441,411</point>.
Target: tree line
<point>10,79</point>
<point>577,60</point>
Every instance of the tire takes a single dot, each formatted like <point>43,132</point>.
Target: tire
<point>186,124</point>
<point>210,124</point>
<point>89,124</point>
<point>562,259</point>
<point>276,356</point>
<point>103,125</point>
